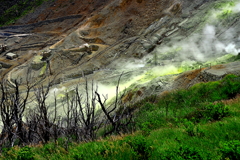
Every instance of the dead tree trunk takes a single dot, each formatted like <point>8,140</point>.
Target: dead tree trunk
<point>81,114</point>
<point>44,120</point>
<point>118,118</point>
<point>13,105</point>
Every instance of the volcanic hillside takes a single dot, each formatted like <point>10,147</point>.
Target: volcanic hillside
<point>143,39</point>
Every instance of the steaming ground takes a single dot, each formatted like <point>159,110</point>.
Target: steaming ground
<point>191,53</point>
<point>191,40</point>
<point>208,45</point>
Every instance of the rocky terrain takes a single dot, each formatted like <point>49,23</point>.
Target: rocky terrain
<point>150,42</point>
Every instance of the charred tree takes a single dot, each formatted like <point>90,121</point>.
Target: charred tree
<point>117,115</point>
<point>12,107</point>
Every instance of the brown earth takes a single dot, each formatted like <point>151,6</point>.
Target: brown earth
<point>124,30</point>
<point>100,22</point>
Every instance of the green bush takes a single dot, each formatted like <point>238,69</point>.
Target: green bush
<point>192,129</point>
<point>25,153</point>
<point>231,86</point>
<point>215,111</point>
<point>189,127</point>
<point>231,150</point>
<point>148,118</point>
<point>49,148</point>
<point>148,107</point>
<point>182,153</point>
<point>208,112</point>
<point>78,156</point>
<point>139,145</point>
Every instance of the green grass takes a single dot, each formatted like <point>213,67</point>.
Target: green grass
<point>185,124</point>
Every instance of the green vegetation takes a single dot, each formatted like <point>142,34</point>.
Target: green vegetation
<point>190,65</point>
<point>225,14</point>
<point>43,70</point>
<point>19,9</point>
<point>224,4</point>
<point>225,9</point>
<point>198,123</point>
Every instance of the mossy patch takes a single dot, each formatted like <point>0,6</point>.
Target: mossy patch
<point>224,4</point>
<point>225,14</point>
<point>37,59</point>
<point>224,59</point>
<point>38,64</point>
<point>43,70</point>
<point>225,9</point>
<point>189,65</point>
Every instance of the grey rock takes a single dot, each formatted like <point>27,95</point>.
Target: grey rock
<point>5,65</point>
<point>37,65</point>
<point>11,56</point>
<point>46,55</point>
<point>94,47</point>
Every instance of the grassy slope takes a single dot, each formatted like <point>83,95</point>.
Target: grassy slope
<point>200,123</point>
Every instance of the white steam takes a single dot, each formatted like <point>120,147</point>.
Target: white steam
<point>198,47</point>
<point>231,49</point>
<point>134,65</point>
<point>57,92</point>
<point>201,47</point>
<point>237,8</point>
<point>208,39</point>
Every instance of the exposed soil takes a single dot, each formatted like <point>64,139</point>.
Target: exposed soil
<point>123,31</point>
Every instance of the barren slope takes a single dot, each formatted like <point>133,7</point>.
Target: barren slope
<point>145,39</point>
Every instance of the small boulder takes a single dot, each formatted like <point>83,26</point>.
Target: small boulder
<point>84,33</point>
<point>11,56</point>
<point>46,54</point>
<point>37,66</point>
<point>5,65</point>
<point>37,63</point>
<point>94,47</point>
<point>149,47</point>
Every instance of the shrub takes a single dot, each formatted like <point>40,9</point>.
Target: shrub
<point>139,145</point>
<point>231,85</point>
<point>231,150</point>
<point>49,148</point>
<point>189,127</point>
<point>25,153</point>
<point>78,155</point>
<point>146,128</point>
<point>148,107</point>
<point>182,153</point>
<point>215,111</point>
<point>208,112</point>
<point>192,129</point>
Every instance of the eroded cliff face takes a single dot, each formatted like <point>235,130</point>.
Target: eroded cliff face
<point>144,39</point>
